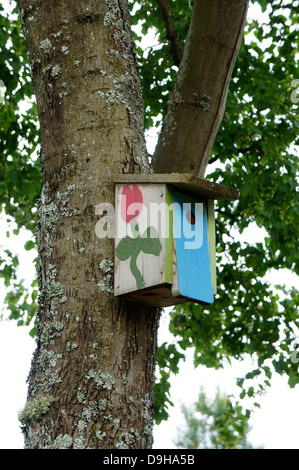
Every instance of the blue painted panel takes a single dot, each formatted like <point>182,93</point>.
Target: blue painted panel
<point>192,249</point>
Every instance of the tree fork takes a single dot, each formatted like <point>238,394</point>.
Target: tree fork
<point>92,374</point>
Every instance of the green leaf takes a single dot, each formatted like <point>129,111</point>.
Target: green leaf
<point>149,242</point>
<point>125,248</point>
<point>29,245</point>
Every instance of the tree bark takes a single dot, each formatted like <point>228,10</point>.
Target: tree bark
<point>91,380</point>
<point>198,101</point>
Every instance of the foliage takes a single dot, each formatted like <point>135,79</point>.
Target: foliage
<point>20,172</point>
<point>255,151</point>
<point>19,300</point>
<point>214,424</point>
<point>157,67</point>
<point>20,179</point>
<point>168,358</point>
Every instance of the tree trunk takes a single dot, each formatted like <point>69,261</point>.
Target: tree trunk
<point>91,380</point>
<point>198,101</point>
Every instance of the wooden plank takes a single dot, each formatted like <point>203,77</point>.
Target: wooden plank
<point>190,184</point>
<point>212,242</point>
<point>169,238</point>
<point>175,282</point>
<point>160,297</point>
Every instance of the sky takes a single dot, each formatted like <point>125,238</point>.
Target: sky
<point>274,425</point>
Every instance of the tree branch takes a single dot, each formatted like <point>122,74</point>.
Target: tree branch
<point>198,101</point>
<point>172,34</point>
<point>254,146</point>
<point>213,159</point>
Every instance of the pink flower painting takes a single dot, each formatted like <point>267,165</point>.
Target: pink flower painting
<point>131,203</point>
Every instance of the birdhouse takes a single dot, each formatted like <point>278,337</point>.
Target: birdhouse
<point>165,238</point>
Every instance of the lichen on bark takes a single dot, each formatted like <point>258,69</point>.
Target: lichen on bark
<point>35,409</point>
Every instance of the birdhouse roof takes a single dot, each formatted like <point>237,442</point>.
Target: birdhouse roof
<point>189,184</point>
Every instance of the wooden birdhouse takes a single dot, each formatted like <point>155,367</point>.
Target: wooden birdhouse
<point>165,238</point>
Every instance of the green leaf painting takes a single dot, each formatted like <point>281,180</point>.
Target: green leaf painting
<point>125,248</point>
<point>131,248</point>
